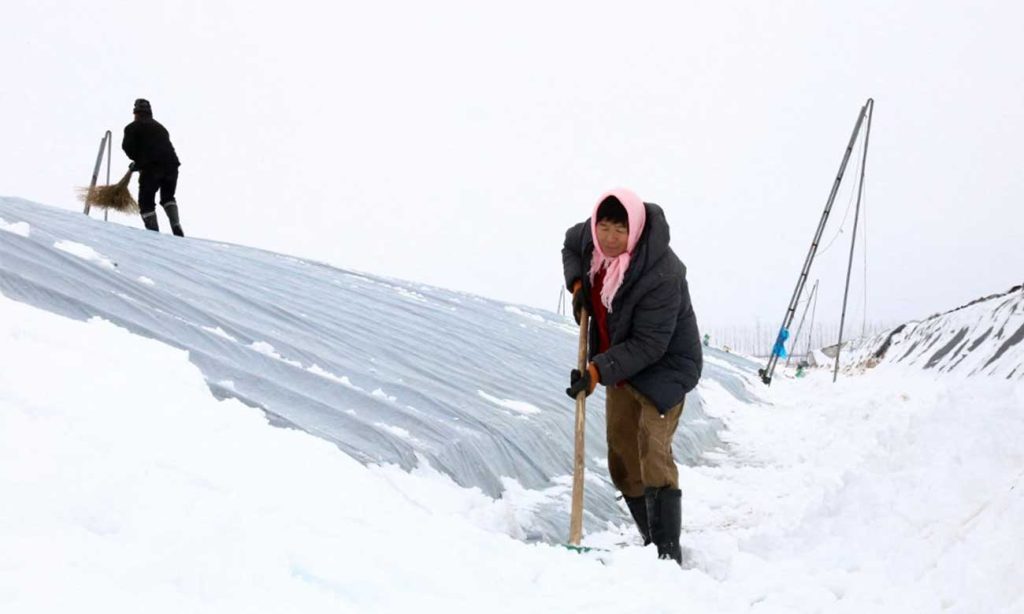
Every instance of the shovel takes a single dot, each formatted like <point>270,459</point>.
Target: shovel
<point>576,516</point>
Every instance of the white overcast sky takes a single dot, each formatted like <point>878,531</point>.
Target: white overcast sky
<point>453,142</point>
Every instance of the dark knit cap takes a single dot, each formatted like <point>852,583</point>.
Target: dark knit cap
<point>142,107</point>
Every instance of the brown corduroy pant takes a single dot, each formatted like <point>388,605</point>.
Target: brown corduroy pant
<point>639,441</point>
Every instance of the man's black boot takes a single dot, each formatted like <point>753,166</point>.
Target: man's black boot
<point>171,209</point>
<point>149,220</point>
<point>638,508</point>
<point>664,514</point>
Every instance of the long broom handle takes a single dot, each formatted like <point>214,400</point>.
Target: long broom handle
<point>576,518</point>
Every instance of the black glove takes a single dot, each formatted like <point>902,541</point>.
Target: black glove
<point>583,382</point>
<point>132,168</point>
<point>579,300</point>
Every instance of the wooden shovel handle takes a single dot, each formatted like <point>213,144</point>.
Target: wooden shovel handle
<point>576,517</point>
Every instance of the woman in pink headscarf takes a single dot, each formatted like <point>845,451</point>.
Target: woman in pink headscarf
<point>644,347</point>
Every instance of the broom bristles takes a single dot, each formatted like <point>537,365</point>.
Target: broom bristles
<point>116,196</point>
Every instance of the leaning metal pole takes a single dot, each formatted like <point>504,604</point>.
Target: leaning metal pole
<point>853,240</point>
<point>800,326</point>
<point>110,141</point>
<point>104,142</point>
<point>810,325</point>
<point>773,359</point>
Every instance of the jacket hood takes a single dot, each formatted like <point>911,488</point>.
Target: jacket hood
<point>652,245</point>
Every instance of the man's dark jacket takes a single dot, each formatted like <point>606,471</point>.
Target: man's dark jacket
<point>147,143</point>
<point>655,345</point>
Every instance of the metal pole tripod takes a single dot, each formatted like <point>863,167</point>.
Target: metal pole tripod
<point>773,359</point>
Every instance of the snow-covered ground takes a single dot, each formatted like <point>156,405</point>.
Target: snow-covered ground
<point>128,487</point>
<point>143,467</point>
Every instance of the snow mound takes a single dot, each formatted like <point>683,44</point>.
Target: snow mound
<point>985,337</point>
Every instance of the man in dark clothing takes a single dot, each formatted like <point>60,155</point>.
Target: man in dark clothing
<point>149,146</point>
<point>644,347</point>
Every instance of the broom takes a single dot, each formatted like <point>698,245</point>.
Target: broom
<point>116,196</point>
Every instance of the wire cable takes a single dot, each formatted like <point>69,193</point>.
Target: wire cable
<point>864,243</point>
<point>849,203</point>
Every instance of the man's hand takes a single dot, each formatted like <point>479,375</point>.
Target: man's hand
<point>132,168</point>
<point>583,382</point>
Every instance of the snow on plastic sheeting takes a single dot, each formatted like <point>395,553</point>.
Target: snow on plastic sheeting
<point>21,229</point>
<point>310,344</point>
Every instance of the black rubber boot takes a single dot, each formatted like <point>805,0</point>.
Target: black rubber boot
<point>664,514</point>
<point>171,209</point>
<point>638,508</point>
<point>150,221</point>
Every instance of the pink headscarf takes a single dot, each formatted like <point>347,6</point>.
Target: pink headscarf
<point>617,266</point>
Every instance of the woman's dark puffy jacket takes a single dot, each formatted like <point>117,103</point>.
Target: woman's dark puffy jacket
<point>655,345</point>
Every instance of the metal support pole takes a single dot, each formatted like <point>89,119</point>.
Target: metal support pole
<point>766,373</point>
<point>800,327</point>
<point>110,139</point>
<point>853,240</point>
<point>104,142</point>
<point>810,326</point>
